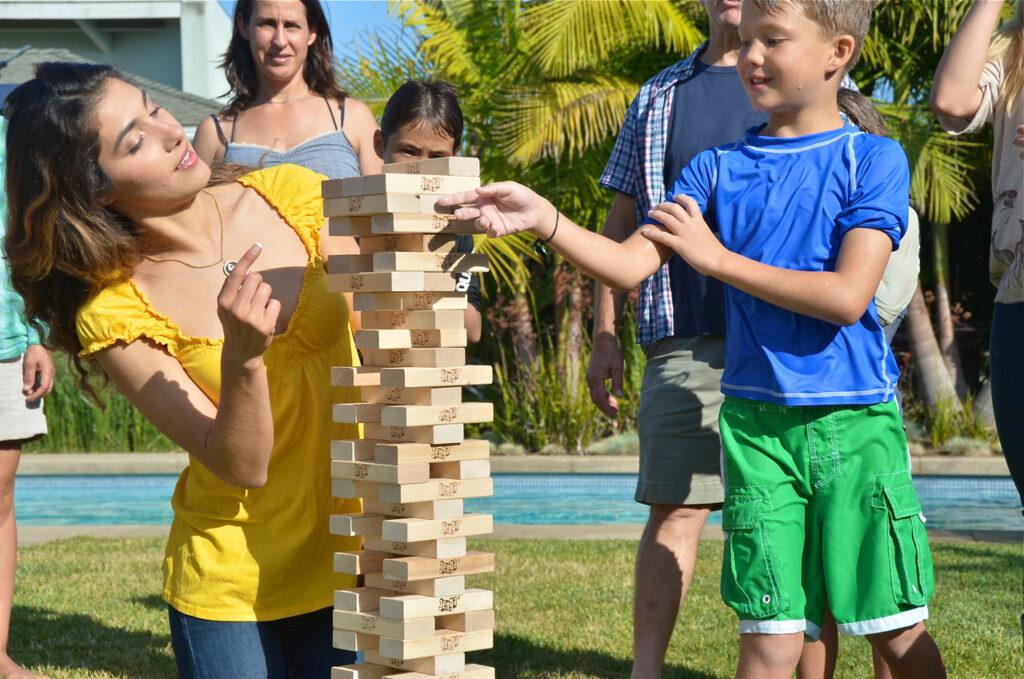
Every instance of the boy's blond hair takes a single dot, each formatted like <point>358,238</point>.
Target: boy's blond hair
<point>1008,45</point>
<point>833,17</point>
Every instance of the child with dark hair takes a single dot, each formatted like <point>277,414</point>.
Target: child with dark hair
<point>422,120</point>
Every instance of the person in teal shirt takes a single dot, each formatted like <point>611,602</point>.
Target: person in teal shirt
<point>26,376</point>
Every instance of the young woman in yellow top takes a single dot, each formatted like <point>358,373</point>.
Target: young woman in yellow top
<point>121,248</point>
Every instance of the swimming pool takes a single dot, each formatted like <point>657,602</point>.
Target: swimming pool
<point>950,502</point>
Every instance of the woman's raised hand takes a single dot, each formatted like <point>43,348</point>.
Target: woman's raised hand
<point>502,208</point>
<point>246,310</point>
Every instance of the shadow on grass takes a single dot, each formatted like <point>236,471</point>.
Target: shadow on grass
<point>514,657</point>
<point>45,638</point>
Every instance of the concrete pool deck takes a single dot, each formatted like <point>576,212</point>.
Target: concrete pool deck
<point>35,464</point>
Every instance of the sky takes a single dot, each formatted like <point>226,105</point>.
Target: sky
<point>347,18</point>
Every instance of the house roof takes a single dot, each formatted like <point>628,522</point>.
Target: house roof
<point>188,109</point>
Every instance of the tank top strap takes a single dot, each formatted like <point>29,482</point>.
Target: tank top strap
<point>234,125</point>
<point>220,131</point>
<point>330,110</point>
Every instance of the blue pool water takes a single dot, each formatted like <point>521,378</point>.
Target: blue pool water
<point>949,502</point>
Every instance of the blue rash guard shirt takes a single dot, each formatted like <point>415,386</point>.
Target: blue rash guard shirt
<point>788,202</point>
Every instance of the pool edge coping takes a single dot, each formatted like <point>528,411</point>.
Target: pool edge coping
<point>37,464</point>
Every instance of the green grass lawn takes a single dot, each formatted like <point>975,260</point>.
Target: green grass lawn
<point>91,608</point>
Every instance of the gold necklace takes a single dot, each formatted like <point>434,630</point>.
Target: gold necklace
<point>229,265</point>
<point>286,100</point>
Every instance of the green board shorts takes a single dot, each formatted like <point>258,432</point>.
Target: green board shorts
<point>677,422</point>
<point>820,506</point>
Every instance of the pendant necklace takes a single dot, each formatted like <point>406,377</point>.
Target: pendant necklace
<point>229,265</point>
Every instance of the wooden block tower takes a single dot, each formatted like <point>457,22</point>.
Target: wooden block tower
<point>414,617</point>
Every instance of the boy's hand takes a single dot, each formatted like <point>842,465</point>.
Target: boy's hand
<point>685,231</point>
<point>606,363</point>
<point>502,208</point>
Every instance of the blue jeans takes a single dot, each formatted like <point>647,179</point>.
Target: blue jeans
<point>299,647</point>
<point>1006,356</point>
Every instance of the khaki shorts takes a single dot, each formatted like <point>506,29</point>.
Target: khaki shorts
<point>19,421</point>
<point>680,452</point>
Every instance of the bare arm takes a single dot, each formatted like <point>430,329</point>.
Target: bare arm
<point>38,372</point>
<point>506,207</point>
<point>359,128</point>
<point>839,296</point>
<point>233,439</point>
<point>955,96</point>
<point>207,142</point>
<point>606,355</point>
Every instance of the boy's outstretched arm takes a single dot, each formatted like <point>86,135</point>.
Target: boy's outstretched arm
<point>504,208</point>
<point>841,296</point>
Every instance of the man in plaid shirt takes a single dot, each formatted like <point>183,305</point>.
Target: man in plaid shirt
<point>26,375</point>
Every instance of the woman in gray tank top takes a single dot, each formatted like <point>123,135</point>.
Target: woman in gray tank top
<point>286,105</point>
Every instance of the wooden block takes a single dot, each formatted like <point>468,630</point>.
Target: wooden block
<point>443,641</point>
<point>421,320</point>
<point>410,339</point>
<point>344,187</point>
<point>438,509</point>
<point>471,621</point>
<point>421,223</point>
<point>361,671</point>
<point>411,453</point>
<point>355,489</point>
<point>413,568</point>
<point>437,435</point>
<point>452,262</point>
<point>359,227</point>
<point>355,376</point>
<point>415,606</point>
<point>380,473</point>
<point>419,530</point>
<point>382,281</point>
<point>381,203</point>
<point>354,641</point>
<point>444,548</point>
<point>350,264</point>
<point>356,412</point>
<point>455,166</point>
<point>359,599</point>
<point>446,663</point>
<point>408,301</point>
<point>438,586</point>
<point>461,469</point>
<point>419,183</point>
<point>355,524</point>
<point>371,622</point>
<point>469,672</point>
<point>354,450</point>
<point>436,377</point>
<point>423,415</point>
<point>360,562</point>
<point>436,489</point>
<point>414,358</point>
<point>434,396</point>
<point>440,243</point>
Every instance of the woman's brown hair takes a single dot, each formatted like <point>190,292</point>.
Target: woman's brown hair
<point>62,246</point>
<point>240,69</point>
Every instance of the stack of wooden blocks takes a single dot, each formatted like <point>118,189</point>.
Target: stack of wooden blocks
<point>413,617</point>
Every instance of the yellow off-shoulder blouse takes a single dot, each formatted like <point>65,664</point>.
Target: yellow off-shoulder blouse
<point>263,554</point>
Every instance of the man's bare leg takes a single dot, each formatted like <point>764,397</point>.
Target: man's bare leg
<point>769,656</point>
<point>910,652</point>
<point>664,569</point>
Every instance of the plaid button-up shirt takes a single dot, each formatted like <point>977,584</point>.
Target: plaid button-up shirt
<point>15,332</point>
<point>636,168</point>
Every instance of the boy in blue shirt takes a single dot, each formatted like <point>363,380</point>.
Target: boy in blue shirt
<point>819,503</point>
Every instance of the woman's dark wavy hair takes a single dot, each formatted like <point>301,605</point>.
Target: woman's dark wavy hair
<point>62,246</point>
<point>433,103</point>
<point>240,68</point>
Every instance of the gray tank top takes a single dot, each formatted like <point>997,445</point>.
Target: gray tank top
<point>330,154</point>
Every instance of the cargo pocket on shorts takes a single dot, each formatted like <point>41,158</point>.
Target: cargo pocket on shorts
<point>909,556</point>
<point>751,578</point>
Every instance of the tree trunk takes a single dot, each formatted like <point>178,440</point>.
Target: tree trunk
<point>524,334</point>
<point>933,379</point>
<point>943,313</point>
